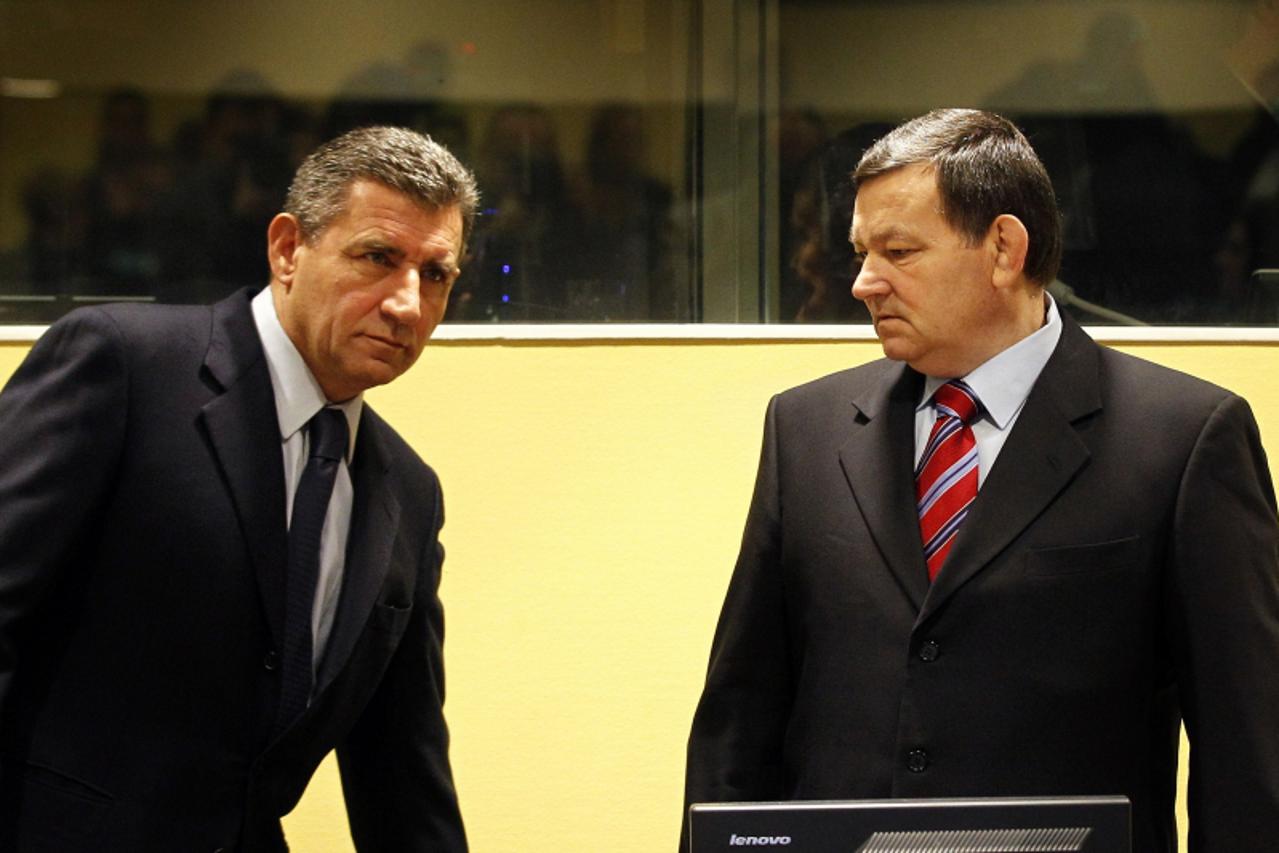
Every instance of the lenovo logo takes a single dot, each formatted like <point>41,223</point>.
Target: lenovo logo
<point>735,840</point>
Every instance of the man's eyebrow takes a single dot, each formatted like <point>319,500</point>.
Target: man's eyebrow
<point>890,232</point>
<point>378,244</point>
<point>448,265</point>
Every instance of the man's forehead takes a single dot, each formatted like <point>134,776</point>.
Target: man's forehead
<point>880,232</point>
<point>382,212</point>
<point>910,183</point>
<point>370,192</point>
<point>890,204</point>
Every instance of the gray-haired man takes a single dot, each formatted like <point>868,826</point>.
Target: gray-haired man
<point>175,660</point>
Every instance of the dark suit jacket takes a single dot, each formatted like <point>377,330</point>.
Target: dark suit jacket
<point>1117,572</point>
<point>142,554</point>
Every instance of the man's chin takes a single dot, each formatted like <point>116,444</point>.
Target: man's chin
<point>381,374</point>
<point>359,378</point>
<point>896,348</point>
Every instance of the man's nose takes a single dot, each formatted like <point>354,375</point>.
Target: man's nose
<point>868,281</point>
<point>404,303</point>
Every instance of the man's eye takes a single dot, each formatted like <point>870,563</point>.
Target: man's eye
<point>380,258</point>
<point>899,253</point>
<point>437,275</point>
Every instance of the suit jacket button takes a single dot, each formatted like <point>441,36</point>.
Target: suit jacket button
<point>270,661</point>
<point>929,651</point>
<point>917,761</point>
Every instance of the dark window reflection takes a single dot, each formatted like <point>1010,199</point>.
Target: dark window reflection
<point>814,187</point>
<point>588,247</point>
<point>180,219</point>
<point>618,191</point>
<point>1170,203</point>
<point>1146,207</point>
<point>182,216</point>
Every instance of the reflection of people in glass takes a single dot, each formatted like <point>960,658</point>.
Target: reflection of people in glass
<point>822,208</point>
<point>1096,559</point>
<point>1251,237</point>
<point>407,93</point>
<point>622,264</point>
<point>801,137</point>
<point>1137,193</point>
<point>235,173</point>
<point>122,197</point>
<point>52,258</point>
<point>525,238</point>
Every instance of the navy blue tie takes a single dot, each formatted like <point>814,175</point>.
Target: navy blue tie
<point>328,436</point>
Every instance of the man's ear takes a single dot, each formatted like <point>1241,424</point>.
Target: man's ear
<point>1011,241</point>
<point>283,239</point>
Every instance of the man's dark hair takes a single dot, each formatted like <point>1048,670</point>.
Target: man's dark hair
<point>401,159</point>
<point>984,168</point>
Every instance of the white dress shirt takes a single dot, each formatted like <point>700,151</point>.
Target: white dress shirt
<point>1002,383</point>
<point>297,399</point>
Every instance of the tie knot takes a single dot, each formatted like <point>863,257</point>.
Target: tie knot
<point>328,434</point>
<point>958,401</point>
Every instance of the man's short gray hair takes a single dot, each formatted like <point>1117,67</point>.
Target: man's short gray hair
<point>401,159</point>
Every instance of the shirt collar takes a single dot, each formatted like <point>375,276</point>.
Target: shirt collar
<point>298,395</point>
<point>1003,382</point>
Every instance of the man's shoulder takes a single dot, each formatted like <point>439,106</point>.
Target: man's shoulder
<point>404,462</point>
<point>1132,381</point>
<point>138,325</point>
<point>140,316</point>
<point>155,337</point>
<point>161,336</point>
<point>844,384</point>
<point>828,405</point>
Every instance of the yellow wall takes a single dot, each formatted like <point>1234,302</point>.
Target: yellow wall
<point>596,494</point>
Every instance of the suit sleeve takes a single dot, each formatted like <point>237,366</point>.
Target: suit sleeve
<point>1224,613</point>
<point>395,770</point>
<point>735,747</point>
<point>62,419</point>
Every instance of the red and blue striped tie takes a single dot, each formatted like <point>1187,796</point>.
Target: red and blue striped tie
<point>946,479</point>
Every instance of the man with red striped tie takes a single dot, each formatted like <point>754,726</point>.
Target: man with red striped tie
<point>1003,560</point>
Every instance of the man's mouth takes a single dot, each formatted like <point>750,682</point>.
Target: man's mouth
<point>390,343</point>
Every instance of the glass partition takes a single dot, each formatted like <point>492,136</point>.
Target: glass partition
<point>147,144</point>
<point>640,160</point>
<point>1155,119</point>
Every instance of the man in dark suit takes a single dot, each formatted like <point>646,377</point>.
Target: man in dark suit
<point>171,670</point>
<point>1114,569</point>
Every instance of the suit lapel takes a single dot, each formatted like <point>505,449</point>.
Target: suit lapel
<point>878,462</point>
<point>1042,455</point>
<point>244,432</point>
<point>375,518</point>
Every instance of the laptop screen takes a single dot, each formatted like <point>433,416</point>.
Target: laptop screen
<point>978,825</point>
